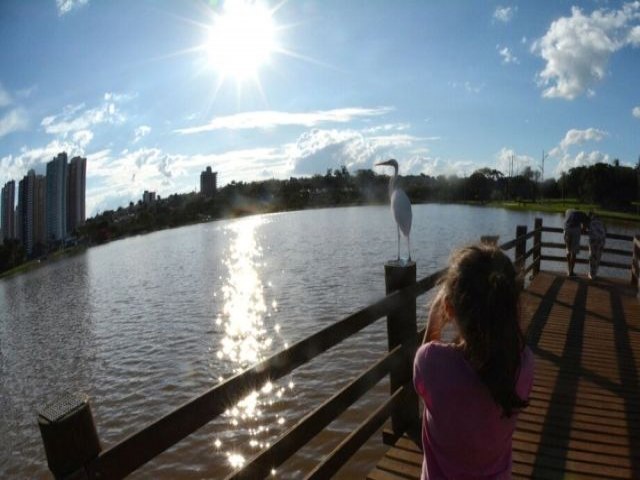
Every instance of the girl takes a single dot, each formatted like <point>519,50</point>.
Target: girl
<point>473,386</point>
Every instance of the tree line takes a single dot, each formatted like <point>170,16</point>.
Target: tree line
<point>611,186</point>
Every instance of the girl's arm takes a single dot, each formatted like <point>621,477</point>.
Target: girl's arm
<point>436,319</point>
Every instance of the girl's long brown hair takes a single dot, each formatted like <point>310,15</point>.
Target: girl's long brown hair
<point>482,287</point>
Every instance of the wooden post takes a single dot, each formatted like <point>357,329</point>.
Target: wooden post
<point>402,329</point>
<point>69,436</point>
<point>537,246</point>
<point>521,247</point>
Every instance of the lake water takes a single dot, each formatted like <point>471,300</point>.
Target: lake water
<point>144,324</point>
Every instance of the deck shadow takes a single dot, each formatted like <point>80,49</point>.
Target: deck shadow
<point>628,378</point>
<point>559,415</point>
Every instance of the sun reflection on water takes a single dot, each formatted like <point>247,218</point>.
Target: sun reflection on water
<point>247,339</point>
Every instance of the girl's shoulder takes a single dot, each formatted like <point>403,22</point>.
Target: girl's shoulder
<point>439,349</point>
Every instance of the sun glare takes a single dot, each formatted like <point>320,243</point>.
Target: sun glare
<point>241,39</point>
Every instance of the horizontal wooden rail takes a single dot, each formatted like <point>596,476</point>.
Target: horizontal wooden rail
<point>613,236</point>
<point>584,248</point>
<point>357,438</point>
<point>262,464</point>
<point>529,252</point>
<point>512,243</point>
<point>137,449</point>
<point>603,263</point>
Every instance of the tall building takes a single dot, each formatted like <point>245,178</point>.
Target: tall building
<point>26,188</point>
<point>208,182</point>
<point>7,209</point>
<point>57,198</point>
<point>148,197</point>
<point>76,193</point>
<point>17,224</point>
<point>40,214</point>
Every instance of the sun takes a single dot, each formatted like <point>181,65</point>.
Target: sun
<point>241,39</point>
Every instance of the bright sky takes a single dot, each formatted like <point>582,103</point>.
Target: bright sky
<point>153,91</point>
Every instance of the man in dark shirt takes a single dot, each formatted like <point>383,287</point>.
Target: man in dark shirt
<point>575,221</point>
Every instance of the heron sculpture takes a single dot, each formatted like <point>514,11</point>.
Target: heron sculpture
<point>400,206</point>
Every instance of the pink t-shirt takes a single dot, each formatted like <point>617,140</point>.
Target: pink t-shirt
<point>464,435</point>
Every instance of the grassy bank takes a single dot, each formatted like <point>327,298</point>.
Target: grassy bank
<point>52,257</point>
<point>560,206</point>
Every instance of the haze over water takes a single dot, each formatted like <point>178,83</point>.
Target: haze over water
<point>144,324</point>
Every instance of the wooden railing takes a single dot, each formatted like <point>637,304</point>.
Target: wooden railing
<point>73,448</point>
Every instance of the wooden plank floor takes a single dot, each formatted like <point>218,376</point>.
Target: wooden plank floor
<point>583,421</point>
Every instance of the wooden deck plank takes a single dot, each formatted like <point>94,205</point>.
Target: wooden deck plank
<point>413,458</point>
<point>377,474</point>
<point>584,415</point>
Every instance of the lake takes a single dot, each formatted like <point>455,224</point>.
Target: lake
<point>144,324</point>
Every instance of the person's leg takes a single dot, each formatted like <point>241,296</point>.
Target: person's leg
<point>598,255</point>
<point>567,242</point>
<point>593,263</point>
<point>572,263</point>
<point>572,242</point>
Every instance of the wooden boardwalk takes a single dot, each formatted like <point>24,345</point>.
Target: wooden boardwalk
<point>584,417</point>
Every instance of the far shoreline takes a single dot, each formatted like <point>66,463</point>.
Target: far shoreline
<point>550,206</point>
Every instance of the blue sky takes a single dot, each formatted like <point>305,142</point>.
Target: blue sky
<point>151,92</point>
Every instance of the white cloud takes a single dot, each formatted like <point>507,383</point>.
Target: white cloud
<point>436,166</point>
<point>575,137</point>
<point>243,165</point>
<point>272,119</point>
<point>634,36</point>
<point>13,167</point>
<point>507,55</point>
<point>65,6</point>
<point>128,174</point>
<point>582,159</point>
<point>140,132</point>
<point>576,49</point>
<point>636,112</point>
<point>318,150</point>
<point>5,98</point>
<point>77,117</point>
<point>507,159</point>
<point>123,177</point>
<point>82,137</point>
<point>579,137</point>
<point>387,127</point>
<point>504,14</point>
<point>13,121</point>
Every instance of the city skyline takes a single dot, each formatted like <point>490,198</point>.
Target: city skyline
<point>271,90</point>
<point>45,210</point>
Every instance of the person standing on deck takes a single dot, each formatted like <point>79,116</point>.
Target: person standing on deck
<point>575,222</point>
<point>474,386</point>
<point>597,238</point>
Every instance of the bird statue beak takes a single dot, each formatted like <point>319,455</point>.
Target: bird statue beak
<point>381,163</point>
